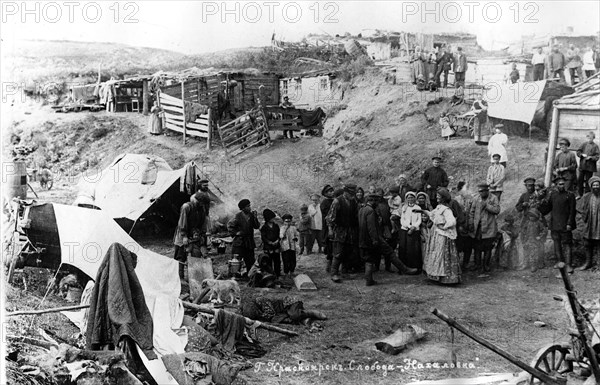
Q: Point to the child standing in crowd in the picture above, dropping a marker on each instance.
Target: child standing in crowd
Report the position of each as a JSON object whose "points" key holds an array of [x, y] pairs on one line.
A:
{"points": [[304, 228], [289, 237], [395, 203], [509, 248], [269, 234]]}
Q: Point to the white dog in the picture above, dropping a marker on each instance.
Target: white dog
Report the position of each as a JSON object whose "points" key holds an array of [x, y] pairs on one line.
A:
{"points": [[222, 289]]}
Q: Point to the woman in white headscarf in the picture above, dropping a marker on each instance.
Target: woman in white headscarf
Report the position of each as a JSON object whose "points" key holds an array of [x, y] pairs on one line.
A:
{"points": [[410, 236]]}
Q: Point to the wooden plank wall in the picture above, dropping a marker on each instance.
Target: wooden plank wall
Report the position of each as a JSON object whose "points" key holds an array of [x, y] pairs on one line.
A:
{"points": [[174, 117]]}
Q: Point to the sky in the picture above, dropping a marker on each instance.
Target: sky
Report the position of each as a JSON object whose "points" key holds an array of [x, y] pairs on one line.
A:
{"points": [[194, 27]]}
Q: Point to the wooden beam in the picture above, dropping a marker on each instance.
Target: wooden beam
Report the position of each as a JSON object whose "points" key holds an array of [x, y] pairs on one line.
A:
{"points": [[145, 98], [206, 310], [183, 107], [551, 146], [44, 311]]}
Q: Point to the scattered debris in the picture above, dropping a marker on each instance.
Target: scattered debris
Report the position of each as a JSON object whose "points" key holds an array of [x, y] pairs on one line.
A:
{"points": [[303, 282], [400, 340]]}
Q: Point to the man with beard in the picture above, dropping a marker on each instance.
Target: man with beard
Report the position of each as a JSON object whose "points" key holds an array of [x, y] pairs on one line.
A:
{"points": [[590, 213], [433, 178], [342, 220], [241, 228], [483, 225], [525, 200], [187, 236], [327, 194], [444, 63], [561, 205]]}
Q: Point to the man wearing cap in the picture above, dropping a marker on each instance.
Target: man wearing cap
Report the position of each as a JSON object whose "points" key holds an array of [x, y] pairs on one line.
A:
{"points": [[588, 154], [269, 234], [483, 225], [433, 178], [561, 205], [325, 206], [382, 208], [241, 228], [460, 68], [590, 214], [343, 224], [565, 164], [526, 200], [188, 233], [495, 176]]}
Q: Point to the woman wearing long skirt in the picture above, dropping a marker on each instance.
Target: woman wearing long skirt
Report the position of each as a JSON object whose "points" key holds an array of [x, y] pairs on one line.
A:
{"points": [[155, 123], [410, 234], [442, 263]]}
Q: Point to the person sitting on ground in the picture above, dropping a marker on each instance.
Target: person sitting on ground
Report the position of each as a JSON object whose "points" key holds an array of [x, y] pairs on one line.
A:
{"points": [[261, 274], [431, 84], [421, 83]]}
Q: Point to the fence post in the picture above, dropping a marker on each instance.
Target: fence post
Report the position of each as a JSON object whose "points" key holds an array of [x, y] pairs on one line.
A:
{"points": [[209, 137], [183, 107]]}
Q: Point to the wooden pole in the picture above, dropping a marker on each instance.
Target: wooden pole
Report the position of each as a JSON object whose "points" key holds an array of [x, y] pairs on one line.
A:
{"points": [[183, 108], [551, 146], [145, 98], [209, 125], [203, 309], [44, 311], [579, 321], [547, 379]]}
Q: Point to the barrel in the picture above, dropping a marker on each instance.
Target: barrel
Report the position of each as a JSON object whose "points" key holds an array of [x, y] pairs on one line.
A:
{"points": [[353, 48], [15, 179]]}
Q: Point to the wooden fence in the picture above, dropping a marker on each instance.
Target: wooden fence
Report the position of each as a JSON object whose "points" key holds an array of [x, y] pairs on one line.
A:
{"points": [[245, 132], [174, 118]]}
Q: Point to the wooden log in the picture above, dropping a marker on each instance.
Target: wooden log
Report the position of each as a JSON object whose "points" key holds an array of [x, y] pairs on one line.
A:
{"points": [[145, 98], [544, 377], [32, 341], [552, 146], [273, 328], [44, 311], [399, 340]]}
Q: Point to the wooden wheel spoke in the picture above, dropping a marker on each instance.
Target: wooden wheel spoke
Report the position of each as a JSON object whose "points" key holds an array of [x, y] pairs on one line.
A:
{"points": [[547, 365], [560, 361], [554, 360]]}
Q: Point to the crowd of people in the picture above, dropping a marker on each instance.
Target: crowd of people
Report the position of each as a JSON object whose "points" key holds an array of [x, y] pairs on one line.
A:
{"points": [[580, 63], [427, 68], [416, 228]]}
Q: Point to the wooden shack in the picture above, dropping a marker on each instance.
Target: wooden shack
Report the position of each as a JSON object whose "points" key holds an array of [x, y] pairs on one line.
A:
{"points": [[573, 117], [310, 90], [243, 91]]}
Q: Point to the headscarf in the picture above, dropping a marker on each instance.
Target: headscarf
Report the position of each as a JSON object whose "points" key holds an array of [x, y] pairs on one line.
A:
{"points": [[427, 205], [445, 194], [592, 180]]}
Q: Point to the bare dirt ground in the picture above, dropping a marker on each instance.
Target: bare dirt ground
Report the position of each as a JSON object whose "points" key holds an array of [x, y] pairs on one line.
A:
{"points": [[383, 132]]}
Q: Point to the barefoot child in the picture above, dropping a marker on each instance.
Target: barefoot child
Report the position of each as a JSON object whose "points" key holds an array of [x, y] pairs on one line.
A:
{"points": [[289, 239]]}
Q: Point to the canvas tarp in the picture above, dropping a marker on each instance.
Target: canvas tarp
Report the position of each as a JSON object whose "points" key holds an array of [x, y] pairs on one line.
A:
{"points": [[518, 101], [131, 185], [85, 235]]}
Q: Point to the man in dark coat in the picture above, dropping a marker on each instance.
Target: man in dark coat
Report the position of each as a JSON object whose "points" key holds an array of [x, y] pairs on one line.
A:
{"points": [[460, 68], [382, 208], [561, 205], [369, 237], [241, 228], [342, 220], [525, 199], [590, 214], [433, 178], [372, 244], [444, 64], [325, 206], [188, 233], [269, 234]]}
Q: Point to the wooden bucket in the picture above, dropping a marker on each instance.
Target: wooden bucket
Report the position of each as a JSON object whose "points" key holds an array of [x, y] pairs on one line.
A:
{"points": [[15, 179]]}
